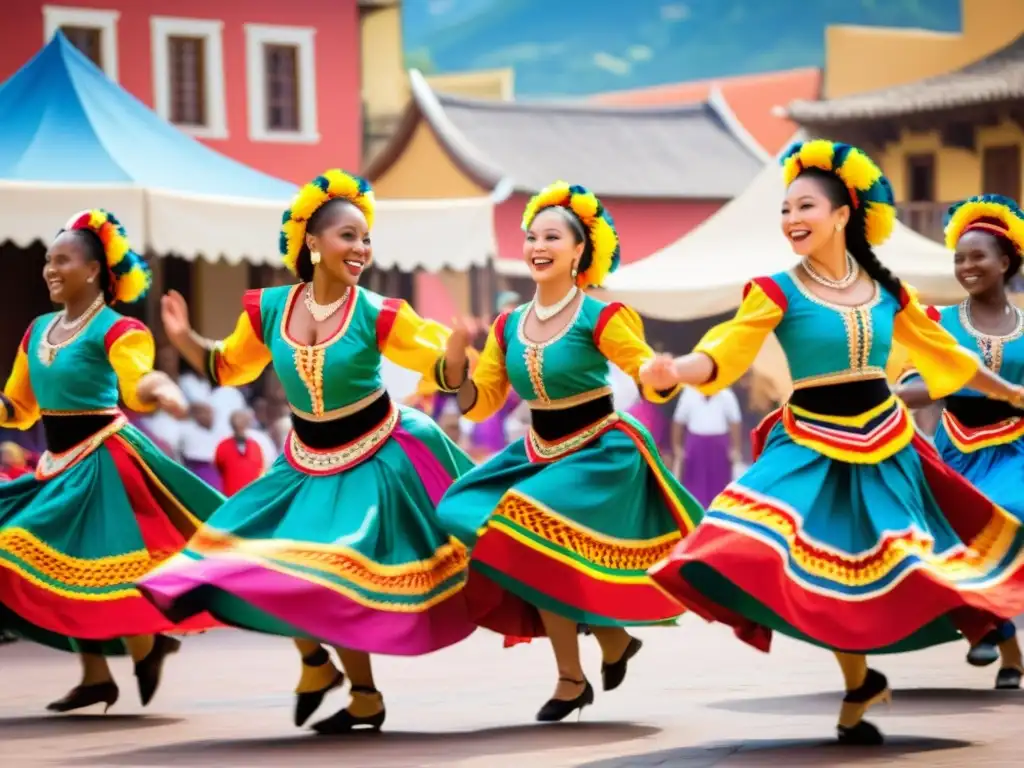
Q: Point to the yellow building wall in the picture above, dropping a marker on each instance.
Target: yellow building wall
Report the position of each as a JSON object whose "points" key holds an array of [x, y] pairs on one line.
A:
{"points": [[424, 171], [385, 84], [958, 171], [861, 59], [492, 84]]}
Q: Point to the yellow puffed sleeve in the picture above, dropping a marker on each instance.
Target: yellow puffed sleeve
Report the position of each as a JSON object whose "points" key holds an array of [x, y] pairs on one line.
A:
{"points": [[18, 406], [131, 352], [734, 344], [413, 342], [489, 375], [241, 357], [945, 366], [619, 335]]}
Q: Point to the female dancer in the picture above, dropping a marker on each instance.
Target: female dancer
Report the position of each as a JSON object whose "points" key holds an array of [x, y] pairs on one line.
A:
{"points": [[564, 522], [982, 438], [336, 544], [847, 531], [104, 505]]}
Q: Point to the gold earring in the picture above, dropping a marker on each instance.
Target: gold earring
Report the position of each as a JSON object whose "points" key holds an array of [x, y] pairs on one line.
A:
{"points": [[839, 227], [91, 280], [314, 257], [575, 271]]}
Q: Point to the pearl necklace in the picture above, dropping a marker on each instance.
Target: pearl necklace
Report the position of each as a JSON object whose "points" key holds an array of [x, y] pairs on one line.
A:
{"points": [[321, 312], [74, 325], [546, 313], [852, 273]]}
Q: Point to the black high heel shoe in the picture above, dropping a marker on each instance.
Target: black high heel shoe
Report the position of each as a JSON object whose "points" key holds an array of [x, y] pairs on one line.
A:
{"points": [[613, 674], [862, 733], [149, 670], [556, 710], [308, 702], [1008, 679], [82, 696], [344, 721]]}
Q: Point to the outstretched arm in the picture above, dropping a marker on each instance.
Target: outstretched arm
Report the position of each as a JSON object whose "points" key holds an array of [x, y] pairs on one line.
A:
{"points": [[18, 406], [422, 345], [619, 335], [483, 393], [131, 352]]}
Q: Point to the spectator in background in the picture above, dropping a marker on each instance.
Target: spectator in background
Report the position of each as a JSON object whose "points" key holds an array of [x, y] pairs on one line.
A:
{"points": [[488, 437], [706, 441], [14, 460], [239, 458], [199, 444]]}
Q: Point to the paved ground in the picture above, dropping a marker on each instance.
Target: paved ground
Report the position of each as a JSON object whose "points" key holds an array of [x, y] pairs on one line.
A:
{"points": [[694, 698]]}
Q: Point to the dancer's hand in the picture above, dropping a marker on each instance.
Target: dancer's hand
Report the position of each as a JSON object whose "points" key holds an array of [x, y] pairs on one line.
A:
{"points": [[172, 400], [174, 314], [456, 350], [658, 373]]}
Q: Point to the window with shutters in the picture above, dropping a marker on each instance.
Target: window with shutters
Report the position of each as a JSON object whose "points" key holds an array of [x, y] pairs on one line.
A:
{"points": [[90, 30], [281, 83], [188, 74]]}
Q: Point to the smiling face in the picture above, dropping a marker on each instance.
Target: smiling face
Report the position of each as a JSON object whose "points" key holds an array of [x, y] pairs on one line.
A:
{"points": [[342, 239], [69, 266], [550, 248], [979, 263], [810, 217]]}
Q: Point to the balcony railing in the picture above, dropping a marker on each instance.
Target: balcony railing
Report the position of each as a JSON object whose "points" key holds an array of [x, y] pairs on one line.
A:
{"points": [[924, 218]]}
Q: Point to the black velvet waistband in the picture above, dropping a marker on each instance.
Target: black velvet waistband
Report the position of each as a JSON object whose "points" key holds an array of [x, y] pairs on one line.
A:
{"points": [[980, 411], [65, 432], [850, 398], [325, 435], [554, 425]]}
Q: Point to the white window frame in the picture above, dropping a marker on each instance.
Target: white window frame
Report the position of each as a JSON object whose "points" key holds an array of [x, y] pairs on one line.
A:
{"points": [[303, 38], [211, 31], [57, 16]]}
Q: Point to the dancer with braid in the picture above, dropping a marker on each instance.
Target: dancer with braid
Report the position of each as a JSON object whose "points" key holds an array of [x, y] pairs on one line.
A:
{"points": [[337, 544], [563, 524], [977, 436], [847, 531], [104, 505]]}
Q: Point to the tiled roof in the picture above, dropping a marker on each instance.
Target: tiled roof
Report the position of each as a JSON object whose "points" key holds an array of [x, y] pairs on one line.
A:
{"points": [[754, 99], [693, 151], [998, 77]]}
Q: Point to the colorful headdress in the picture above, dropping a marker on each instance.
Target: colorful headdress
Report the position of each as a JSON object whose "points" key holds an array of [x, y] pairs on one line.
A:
{"points": [[604, 240], [327, 186], [130, 276], [869, 190], [991, 213]]}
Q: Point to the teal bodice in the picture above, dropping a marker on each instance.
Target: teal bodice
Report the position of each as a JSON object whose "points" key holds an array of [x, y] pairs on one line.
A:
{"points": [[1001, 354], [340, 371], [76, 375], [828, 342], [567, 366]]}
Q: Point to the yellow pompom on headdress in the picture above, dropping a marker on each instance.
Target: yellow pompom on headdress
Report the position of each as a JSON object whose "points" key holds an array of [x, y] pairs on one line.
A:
{"points": [[992, 213], [869, 190], [597, 223], [327, 186], [130, 276]]}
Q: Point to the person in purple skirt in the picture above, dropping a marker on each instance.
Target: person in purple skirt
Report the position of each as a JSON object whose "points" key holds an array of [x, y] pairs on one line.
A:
{"points": [[706, 441], [489, 436]]}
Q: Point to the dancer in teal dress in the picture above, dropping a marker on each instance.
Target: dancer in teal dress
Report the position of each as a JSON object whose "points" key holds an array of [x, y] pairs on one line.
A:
{"points": [[104, 505], [847, 531], [982, 438], [337, 544], [563, 523]]}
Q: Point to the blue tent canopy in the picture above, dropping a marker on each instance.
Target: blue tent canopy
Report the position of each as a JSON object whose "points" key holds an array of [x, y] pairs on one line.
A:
{"points": [[62, 120]]}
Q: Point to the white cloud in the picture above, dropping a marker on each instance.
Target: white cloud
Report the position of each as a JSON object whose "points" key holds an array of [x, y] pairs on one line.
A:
{"points": [[612, 64], [640, 52], [519, 53], [673, 12], [440, 7]]}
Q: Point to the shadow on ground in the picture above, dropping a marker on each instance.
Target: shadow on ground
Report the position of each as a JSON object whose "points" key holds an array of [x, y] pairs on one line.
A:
{"points": [[389, 749], [788, 752], [63, 725], [913, 702]]}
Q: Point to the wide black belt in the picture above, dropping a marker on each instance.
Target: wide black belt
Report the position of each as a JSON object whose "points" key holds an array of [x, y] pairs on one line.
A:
{"points": [[325, 435], [552, 425], [850, 398], [65, 432], [980, 411]]}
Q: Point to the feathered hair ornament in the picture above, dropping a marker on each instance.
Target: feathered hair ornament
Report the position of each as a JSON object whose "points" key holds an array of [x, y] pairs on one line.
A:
{"points": [[130, 276], [597, 223], [327, 186], [869, 190], [992, 213]]}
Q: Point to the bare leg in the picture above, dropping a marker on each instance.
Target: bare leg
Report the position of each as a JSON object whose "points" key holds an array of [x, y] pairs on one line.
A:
{"points": [[95, 669], [139, 646], [562, 633], [613, 642], [366, 699], [314, 677]]}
